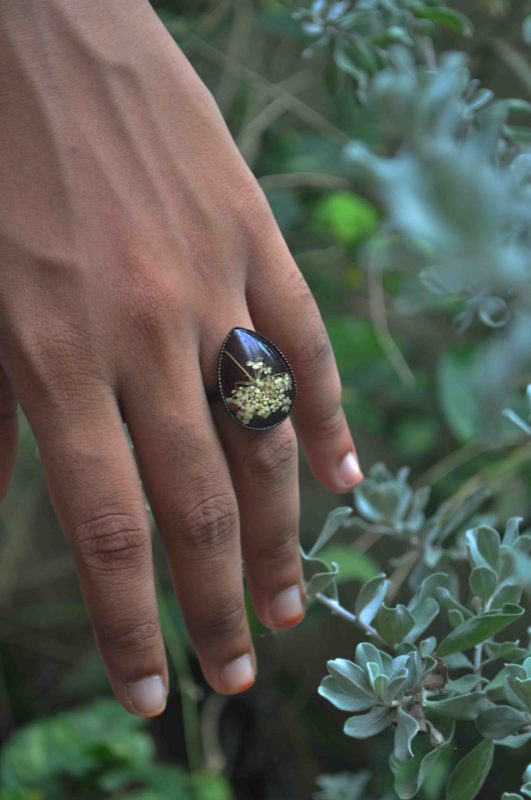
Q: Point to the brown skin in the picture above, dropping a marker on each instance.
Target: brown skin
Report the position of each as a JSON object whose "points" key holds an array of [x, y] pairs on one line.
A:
{"points": [[132, 238]]}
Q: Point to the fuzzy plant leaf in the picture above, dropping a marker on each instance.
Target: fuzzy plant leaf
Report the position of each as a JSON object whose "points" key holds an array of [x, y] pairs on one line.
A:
{"points": [[428, 750], [343, 786], [478, 629], [363, 726], [370, 598], [471, 772], [498, 722]]}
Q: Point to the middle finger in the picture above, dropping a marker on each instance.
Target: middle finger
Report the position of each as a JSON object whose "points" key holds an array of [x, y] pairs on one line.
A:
{"points": [[187, 481]]}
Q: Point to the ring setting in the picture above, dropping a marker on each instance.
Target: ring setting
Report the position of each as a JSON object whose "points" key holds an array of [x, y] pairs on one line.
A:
{"points": [[255, 380]]}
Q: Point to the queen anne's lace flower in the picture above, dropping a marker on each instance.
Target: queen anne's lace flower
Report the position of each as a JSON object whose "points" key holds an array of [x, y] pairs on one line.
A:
{"points": [[263, 395]]}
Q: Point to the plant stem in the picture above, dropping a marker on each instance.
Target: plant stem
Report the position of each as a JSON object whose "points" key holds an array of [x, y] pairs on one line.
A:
{"points": [[187, 688], [337, 609], [477, 658]]}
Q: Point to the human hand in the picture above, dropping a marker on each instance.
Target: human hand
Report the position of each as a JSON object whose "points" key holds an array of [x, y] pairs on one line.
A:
{"points": [[133, 237]]}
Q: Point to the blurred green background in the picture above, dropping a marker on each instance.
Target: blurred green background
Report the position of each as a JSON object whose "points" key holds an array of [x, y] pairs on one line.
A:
{"points": [[270, 743]]}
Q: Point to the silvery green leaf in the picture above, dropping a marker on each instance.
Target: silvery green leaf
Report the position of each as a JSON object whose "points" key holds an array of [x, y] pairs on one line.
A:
{"points": [[410, 775], [349, 675], [470, 773], [450, 603], [508, 592], [343, 786], [351, 699], [407, 728], [512, 531], [370, 598], [455, 617], [483, 581], [463, 706], [363, 726], [458, 661], [518, 691], [423, 614], [465, 684], [319, 576], [498, 722], [514, 742], [394, 624], [395, 687], [427, 646], [447, 17], [333, 523], [427, 588], [367, 653], [526, 29], [484, 546], [506, 651], [479, 629]]}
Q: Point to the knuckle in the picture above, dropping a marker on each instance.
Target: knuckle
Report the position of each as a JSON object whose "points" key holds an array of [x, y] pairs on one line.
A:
{"points": [[274, 457], [208, 525], [49, 357], [328, 421], [132, 635], [152, 304], [112, 541], [313, 350], [220, 622], [280, 547]]}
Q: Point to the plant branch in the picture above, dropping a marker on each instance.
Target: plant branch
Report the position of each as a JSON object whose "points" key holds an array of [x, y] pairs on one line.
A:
{"points": [[337, 609], [187, 688]]}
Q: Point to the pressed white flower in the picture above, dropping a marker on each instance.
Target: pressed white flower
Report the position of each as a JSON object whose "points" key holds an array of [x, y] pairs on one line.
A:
{"points": [[265, 394]]}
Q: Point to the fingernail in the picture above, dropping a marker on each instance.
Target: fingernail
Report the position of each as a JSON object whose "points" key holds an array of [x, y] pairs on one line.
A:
{"points": [[148, 696], [287, 608], [349, 472], [238, 675]]}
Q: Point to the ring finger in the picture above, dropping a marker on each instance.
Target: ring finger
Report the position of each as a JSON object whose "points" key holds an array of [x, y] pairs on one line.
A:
{"points": [[264, 468]]}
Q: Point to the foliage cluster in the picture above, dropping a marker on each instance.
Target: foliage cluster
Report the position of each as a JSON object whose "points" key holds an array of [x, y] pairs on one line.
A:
{"points": [[451, 176]]}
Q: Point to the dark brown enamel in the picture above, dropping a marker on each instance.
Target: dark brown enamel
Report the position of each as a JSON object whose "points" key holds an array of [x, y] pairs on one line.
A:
{"points": [[241, 346]]}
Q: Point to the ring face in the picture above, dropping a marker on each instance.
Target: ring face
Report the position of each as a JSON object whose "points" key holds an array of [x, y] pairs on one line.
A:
{"points": [[256, 383]]}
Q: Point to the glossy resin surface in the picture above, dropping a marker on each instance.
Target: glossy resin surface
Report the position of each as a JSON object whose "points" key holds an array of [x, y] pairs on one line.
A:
{"points": [[255, 380]]}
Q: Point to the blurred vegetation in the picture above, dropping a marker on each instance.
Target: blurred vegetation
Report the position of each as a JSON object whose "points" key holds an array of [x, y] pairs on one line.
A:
{"points": [[425, 377]]}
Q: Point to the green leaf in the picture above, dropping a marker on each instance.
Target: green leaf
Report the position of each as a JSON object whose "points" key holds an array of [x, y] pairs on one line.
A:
{"points": [[345, 699], [470, 773], [526, 30], [349, 217], [484, 546], [479, 629], [464, 706], [318, 575], [370, 598], [483, 582], [500, 721], [342, 786], [365, 725], [406, 729], [464, 684], [410, 775], [515, 742], [352, 565], [393, 624], [458, 396], [333, 523], [448, 18]]}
